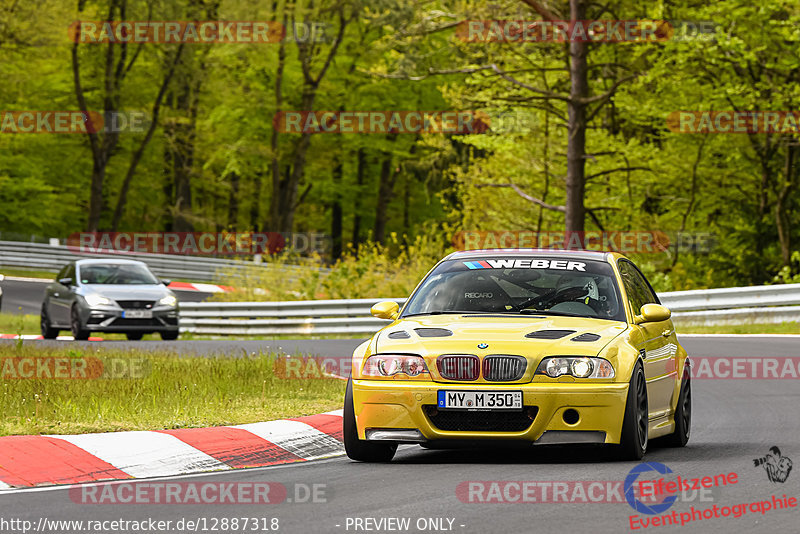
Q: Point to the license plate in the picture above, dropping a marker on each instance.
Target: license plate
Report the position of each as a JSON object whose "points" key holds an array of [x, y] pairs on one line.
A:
{"points": [[480, 400], [137, 314]]}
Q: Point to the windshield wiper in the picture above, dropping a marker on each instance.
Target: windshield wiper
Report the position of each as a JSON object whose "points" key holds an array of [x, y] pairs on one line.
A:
{"points": [[547, 312], [438, 312]]}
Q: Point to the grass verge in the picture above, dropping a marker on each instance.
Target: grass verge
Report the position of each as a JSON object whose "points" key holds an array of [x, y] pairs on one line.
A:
{"points": [[778, 328], [151, 391]]}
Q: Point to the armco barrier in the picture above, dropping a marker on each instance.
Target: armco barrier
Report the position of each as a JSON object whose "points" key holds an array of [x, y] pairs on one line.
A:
{"points": [[51, 258], [736, 305]]}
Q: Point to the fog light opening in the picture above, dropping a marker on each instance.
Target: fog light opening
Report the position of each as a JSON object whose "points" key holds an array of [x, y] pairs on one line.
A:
{"points": [[571, 416], [532, 411]]}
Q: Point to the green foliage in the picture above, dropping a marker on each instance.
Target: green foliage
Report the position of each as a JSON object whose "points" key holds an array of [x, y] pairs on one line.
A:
{"points": [[405, 55]]}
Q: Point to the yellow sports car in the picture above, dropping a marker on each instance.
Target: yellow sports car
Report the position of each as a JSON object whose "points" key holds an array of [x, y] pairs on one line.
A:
{"points": [[539, 346]]}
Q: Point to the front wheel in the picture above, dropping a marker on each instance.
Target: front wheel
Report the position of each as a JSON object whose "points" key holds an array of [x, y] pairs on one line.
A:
{"points": [[683, 416], [633, 442], [357, 449], [48, 332], [75, 326]]}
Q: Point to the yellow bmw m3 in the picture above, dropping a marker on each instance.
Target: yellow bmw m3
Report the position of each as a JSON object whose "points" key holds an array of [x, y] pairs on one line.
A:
{"points": [[539, 346]]}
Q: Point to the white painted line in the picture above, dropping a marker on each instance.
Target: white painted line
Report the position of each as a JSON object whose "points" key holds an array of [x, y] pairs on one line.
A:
{"points": [[145, 454], [339, 413], [741, 335], [298, 438], [3, 485]]}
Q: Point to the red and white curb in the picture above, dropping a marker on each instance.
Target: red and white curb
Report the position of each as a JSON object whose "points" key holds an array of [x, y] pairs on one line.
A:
{"points": [[28, 461], [196, 286]]}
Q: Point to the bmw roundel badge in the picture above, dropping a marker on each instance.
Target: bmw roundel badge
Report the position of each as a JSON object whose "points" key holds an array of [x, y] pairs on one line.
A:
{"points": [[483, 345]]}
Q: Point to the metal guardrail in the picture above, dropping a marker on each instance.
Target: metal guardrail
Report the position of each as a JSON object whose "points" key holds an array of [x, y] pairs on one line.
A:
{"points": [[50, 258], [736, 305], [302, 317]]}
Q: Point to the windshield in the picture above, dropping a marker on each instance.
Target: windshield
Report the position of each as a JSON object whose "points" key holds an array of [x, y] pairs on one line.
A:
{"points": [[515, 285], [116, 273]]}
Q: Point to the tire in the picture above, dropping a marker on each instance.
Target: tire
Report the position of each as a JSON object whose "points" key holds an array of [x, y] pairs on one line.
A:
{"points": [[48, 332], [360, 450], [634, 439], [683, 416], [75, 326], [169, 335], [134, 336]]}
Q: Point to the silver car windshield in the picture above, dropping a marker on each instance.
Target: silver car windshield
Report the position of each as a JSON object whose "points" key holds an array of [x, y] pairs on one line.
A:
{"points": [[116, 273], [546, 286]]}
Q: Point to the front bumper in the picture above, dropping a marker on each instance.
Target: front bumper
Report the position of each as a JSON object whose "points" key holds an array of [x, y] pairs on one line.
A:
{"points": [[383, 404], [111, 319]]}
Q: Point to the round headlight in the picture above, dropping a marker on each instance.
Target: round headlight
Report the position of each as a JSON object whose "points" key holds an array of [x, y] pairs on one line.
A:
{"points": [[556, 367], [582, 368]]}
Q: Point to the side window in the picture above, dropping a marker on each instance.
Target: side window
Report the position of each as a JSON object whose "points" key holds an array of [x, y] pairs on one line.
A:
{"points": [[71, 273], [636, 287]]}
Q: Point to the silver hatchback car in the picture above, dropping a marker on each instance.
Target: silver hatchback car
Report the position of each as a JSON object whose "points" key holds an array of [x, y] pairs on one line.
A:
{"points": [[104, 295]]}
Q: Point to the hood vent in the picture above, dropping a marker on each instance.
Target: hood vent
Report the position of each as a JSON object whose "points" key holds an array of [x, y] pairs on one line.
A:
{"points": [[399, 334], [433, 332], [588, 337], [549, 334]]}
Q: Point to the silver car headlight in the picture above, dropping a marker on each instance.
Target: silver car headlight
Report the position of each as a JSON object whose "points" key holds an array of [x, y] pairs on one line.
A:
{"points": [[169, 300], [577, 366], [94, 300]]}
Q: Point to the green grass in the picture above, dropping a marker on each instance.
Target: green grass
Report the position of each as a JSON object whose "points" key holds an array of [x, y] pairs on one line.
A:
{"points": [[27, 273], [781, 328], [172, 391]]}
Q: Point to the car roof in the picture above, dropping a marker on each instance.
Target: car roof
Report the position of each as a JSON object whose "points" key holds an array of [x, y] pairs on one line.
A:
{"points": [[492, 252], [108, 261]]}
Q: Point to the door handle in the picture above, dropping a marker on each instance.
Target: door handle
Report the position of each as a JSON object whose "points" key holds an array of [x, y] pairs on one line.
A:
{"points": [[666, 333]]}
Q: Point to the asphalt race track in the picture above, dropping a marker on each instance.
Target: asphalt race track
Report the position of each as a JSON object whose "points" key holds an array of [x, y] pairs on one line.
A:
{"points": [[28, 296], [735, 422]]}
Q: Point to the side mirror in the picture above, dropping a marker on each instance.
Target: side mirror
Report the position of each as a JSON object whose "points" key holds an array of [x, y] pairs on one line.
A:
{"points": [[652, 313], [166, 282], [386, 309], [65, 281]]}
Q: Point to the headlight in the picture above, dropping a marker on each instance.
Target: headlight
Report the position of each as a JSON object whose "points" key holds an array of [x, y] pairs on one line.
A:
{"points": [[169, 300], [577, 366], [393, 364], [97, 300]]}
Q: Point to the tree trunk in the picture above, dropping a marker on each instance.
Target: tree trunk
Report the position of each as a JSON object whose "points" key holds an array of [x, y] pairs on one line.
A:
{"points": [[782, 219], [336, 213], [361, 165], [385, 191], [576, 144], [233, 202]]}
